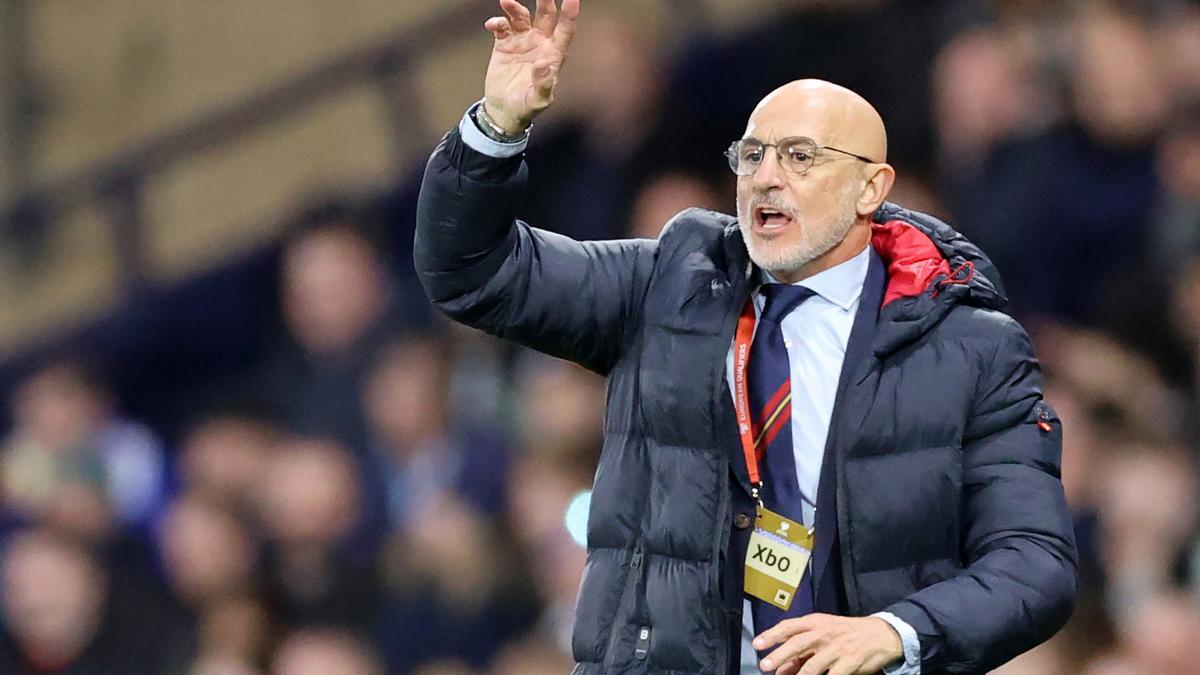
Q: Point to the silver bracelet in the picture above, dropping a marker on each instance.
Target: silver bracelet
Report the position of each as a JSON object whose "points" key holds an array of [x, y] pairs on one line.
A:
{"points": [[493, 131]]}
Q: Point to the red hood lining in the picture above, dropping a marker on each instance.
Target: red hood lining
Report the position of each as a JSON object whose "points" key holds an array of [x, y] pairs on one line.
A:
{"points": [[913, 261]]}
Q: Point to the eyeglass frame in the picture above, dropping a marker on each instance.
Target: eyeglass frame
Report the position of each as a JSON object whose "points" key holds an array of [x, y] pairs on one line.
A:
{"points": [[732, 156]]}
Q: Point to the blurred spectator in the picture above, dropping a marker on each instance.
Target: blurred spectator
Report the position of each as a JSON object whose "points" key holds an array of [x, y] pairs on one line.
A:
{"points": [[339, 307], [234, 630], [70, 455], [310, 509], [54, 595], [1145, 538], [422, 451], [207, 553], [480, 390], [986, 91], [321, 652], [667, 194], [1118, 86], [561, 412], [59, 615], [1176, 235], [455, 589], [1160, 637], [541, 490], [225, 458], [208, 559], [1063, 210], [1110, 377]]}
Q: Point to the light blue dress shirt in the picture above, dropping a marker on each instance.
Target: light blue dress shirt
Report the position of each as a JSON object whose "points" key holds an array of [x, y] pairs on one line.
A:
{"points": [[815, 335]]}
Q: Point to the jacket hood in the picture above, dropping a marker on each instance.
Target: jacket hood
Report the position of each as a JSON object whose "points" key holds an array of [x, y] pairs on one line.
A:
{"points": [[931, 268]]}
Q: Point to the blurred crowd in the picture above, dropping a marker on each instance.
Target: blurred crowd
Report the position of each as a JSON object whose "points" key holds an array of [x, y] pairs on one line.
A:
{"points": [[379, 491]]}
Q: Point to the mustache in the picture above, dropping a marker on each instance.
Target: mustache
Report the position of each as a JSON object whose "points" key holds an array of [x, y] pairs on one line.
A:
{"points": [[772, 202]]}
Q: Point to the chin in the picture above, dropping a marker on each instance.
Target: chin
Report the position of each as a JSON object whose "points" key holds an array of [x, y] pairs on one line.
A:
{"points": [[777, 262], [773, 256]]}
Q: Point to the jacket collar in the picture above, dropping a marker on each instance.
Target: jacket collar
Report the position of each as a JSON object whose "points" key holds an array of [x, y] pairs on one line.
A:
{"points": [[930, 268]]}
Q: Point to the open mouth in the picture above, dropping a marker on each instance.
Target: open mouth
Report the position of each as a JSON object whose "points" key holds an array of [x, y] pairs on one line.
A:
{"points": [[769, 219]]}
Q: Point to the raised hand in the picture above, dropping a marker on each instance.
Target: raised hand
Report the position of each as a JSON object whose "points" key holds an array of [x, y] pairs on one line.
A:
{"points": [[526, 59]]}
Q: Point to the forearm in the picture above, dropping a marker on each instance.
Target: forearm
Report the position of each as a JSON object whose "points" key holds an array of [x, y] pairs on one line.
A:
{"points": [[482, 267], [465, 217], [1001, 606]]}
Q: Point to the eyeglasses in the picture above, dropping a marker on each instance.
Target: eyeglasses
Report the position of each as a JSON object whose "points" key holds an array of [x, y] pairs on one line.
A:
{"points": [[796, 154]]}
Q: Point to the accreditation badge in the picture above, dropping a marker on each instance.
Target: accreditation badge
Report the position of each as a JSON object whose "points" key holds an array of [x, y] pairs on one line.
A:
{"points": [[779, 552]]}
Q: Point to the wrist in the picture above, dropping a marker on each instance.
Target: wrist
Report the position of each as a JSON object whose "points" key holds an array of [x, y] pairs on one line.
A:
{"points": [[894, 641], [505, 126]]}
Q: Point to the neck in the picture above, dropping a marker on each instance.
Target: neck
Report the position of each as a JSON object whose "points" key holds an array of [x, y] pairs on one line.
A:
{"points": [[853, 244]]}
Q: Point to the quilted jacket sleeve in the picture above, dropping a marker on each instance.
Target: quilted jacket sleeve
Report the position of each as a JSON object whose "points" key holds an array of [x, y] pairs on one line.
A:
{"points": [[1019, 584], [482, 267]]}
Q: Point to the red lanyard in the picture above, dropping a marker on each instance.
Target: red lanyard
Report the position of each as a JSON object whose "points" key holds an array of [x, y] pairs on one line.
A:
{"points": [[741, 395]]}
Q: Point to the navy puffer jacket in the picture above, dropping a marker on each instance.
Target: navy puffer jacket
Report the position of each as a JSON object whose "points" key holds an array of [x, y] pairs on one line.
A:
{"points": [[950, 509]]}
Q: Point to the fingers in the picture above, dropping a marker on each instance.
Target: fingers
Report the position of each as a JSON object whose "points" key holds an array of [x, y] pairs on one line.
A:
{"points": [[798, 646], [820, 662], [791, 667], [499, 26], [845, 667], [518, 15], [546, 17], [784, 630], [568, 15]]}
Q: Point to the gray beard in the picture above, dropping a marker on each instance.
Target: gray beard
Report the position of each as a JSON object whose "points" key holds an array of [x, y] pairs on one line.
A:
{"points": [[815, 243]]}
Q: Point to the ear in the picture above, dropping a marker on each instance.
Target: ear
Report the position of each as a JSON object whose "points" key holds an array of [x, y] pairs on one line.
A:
{"points": [[879, 184]]}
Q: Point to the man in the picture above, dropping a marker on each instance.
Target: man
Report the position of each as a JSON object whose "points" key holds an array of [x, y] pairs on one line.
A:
{"points": [[897, 416]]}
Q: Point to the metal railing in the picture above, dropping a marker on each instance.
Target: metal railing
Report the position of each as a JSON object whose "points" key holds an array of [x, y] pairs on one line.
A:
{"points": [[116, 184]]}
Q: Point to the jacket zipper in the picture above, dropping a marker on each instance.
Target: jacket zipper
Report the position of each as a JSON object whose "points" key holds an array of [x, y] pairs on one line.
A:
{"points": [[631, 578], [718, 592]]}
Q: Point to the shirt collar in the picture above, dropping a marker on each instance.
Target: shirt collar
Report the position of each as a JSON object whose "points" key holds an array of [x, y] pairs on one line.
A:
{"points": [[841, 284]]}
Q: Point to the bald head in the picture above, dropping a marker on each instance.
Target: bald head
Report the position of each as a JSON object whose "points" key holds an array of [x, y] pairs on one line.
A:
{"points": [[825, 112]]}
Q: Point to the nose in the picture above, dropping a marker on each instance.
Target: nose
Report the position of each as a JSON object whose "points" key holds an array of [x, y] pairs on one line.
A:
{"points": [[768, 174]]}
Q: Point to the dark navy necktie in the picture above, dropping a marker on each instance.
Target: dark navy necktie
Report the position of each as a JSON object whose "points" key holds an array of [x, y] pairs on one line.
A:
{"points": [[769, 380]]}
